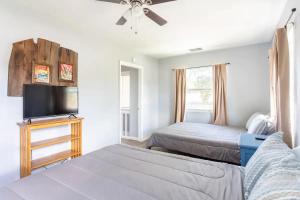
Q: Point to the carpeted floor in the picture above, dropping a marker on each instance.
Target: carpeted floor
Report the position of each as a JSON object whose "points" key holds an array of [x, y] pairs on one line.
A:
{"points": [[134, 143]]}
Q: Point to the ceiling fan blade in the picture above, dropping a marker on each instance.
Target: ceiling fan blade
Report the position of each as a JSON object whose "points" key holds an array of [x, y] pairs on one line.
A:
{"points": [[153, 2], [154, 17], [121, 21], [113, 1], [124, 18]]}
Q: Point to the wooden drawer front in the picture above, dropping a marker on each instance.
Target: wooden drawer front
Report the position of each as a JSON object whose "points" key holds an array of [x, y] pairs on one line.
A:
{"points": [[246, 154]]}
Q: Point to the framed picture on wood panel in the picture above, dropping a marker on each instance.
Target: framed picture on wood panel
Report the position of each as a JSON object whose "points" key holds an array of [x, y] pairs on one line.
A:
{"points": [[41, 73], [65, 72]]}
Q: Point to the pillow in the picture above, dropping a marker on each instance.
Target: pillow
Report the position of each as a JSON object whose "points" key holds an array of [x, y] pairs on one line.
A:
{"points": [[251, 119], [296, 151], [279, 182], [270, 152], [259, 125], [270, 126]]}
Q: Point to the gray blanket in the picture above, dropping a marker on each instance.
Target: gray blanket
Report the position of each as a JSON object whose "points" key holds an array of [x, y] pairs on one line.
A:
{"points": [[121, 172], [204, 140]]}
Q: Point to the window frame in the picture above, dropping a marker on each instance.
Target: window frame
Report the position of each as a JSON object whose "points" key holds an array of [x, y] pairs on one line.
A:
{"points": [[199, 110]]}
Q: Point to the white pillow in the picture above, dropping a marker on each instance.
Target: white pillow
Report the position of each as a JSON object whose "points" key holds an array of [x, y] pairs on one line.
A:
{"points": [[251, 119], [259, 125], [296, 151], [270, 126]]}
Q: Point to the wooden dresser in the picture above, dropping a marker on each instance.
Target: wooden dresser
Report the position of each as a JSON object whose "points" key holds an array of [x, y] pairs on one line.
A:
{"points": [[27, 146]]}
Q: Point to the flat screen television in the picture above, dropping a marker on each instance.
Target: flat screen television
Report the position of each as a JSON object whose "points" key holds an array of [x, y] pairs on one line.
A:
{"points": [[44, 101]]}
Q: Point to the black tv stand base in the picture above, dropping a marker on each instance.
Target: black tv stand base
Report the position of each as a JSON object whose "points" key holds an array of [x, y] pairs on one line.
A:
{"points": [[72, 116]]}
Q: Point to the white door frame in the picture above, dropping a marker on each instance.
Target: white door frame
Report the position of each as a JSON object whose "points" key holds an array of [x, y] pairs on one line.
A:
{"points": [[140, 97]]}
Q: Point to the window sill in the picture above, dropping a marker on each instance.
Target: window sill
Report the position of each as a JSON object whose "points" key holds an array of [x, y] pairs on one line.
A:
{"points": [[198, 111]]}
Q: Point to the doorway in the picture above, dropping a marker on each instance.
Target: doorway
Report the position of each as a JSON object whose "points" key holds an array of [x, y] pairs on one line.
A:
{"points": [[130, 105]]}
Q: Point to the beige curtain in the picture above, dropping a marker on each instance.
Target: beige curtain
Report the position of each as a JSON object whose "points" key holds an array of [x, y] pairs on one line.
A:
{"points": [[220, 94], [280, 84], [180, 95]]}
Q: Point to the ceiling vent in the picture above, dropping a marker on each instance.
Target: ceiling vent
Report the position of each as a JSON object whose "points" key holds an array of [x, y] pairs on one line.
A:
{"points": [[196, 49]]}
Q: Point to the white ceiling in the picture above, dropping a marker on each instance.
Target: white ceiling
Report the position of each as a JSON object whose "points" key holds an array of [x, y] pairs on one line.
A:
{"points": [[210, 24]]}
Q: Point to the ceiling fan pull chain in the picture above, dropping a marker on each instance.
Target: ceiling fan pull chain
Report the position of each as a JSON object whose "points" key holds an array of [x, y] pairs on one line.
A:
{"points": [[131, 21], [136, 25]]}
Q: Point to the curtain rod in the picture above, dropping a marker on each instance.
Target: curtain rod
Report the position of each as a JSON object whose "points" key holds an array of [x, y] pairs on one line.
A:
{"points": [[202, 66], [290, 17]]}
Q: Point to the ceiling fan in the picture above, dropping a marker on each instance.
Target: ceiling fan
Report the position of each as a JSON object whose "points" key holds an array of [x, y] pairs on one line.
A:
{"points": [[139, 8]]}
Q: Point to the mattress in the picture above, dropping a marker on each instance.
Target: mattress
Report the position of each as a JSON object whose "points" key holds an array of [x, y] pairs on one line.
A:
{"points": [[204, 140], [123, 172]]}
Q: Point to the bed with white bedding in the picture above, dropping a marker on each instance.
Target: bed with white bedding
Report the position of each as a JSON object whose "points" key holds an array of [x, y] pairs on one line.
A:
{"points": [[128, 173], [204, 140]]}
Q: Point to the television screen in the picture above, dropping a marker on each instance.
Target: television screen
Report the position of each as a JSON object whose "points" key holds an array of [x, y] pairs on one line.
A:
{"points": [[44, 101]]}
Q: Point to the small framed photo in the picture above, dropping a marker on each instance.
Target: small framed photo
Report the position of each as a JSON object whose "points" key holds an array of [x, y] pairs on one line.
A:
{"points": [[41, 73], [65, 72]]}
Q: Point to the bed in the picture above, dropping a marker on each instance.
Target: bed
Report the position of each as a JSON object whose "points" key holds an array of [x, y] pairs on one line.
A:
{"points": [[129, 173], [209, 141]]}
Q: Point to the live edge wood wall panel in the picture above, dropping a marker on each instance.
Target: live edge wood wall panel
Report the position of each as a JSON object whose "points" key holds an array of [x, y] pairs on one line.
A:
{"points": [[25, 53], [19, 72], [47, 53]]}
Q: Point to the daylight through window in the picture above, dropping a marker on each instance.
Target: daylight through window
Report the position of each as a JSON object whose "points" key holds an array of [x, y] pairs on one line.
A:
{"points": [[199, 89]]}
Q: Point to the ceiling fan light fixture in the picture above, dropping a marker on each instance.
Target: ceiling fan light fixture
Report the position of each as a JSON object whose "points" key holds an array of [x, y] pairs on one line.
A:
{"points": [[137, 10]]}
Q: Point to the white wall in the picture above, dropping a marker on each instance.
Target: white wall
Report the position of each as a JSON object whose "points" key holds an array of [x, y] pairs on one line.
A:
{"points": [[98, 86], [248, 82], [287, 11]]}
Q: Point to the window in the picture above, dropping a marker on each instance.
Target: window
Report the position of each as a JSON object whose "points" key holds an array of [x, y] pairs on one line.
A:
{"points": [[199, 89]]}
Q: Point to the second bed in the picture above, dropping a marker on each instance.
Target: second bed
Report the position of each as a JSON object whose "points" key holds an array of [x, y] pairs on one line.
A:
{"points": [[210, 141]]}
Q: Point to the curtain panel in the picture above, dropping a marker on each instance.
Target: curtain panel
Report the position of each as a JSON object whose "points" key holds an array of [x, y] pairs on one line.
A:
{"points": [[220, 94], [280, 84], [180, 95]]}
